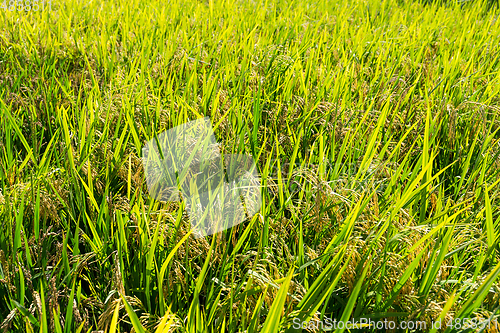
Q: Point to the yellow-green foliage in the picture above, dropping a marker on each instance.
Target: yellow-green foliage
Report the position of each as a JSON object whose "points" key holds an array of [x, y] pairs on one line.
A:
{"points": [[374, 124]]}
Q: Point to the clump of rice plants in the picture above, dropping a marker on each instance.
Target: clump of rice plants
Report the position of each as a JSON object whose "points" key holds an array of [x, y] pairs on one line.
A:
{"points": [[374, 126]]}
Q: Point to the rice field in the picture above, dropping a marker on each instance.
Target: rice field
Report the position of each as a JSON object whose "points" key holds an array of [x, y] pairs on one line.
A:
{"points": [[374, 127]]}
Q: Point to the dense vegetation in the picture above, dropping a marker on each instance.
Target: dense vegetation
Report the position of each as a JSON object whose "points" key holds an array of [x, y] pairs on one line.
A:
{"points": [[374, 125]]}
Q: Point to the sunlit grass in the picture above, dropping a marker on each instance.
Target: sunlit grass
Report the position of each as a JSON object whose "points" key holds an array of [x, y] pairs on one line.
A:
{"points": [[374, 126]]}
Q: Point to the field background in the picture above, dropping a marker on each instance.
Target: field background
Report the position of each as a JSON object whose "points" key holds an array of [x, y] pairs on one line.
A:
{"points": [[374, 124]]}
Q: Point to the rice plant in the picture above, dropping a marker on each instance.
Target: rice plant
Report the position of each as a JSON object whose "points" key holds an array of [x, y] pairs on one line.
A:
{"points": [[374, 128]]}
